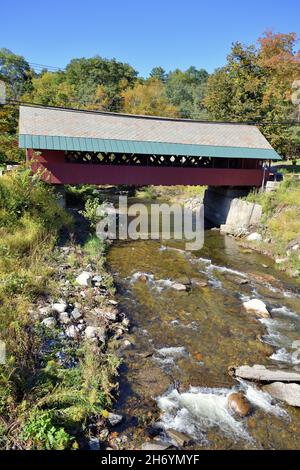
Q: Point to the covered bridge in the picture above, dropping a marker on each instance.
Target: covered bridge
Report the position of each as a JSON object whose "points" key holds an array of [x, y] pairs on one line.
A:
{"points": [[87, 147]]}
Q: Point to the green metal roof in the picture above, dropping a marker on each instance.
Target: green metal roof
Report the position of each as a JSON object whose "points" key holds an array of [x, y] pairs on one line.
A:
{"points": [[86, 144]]}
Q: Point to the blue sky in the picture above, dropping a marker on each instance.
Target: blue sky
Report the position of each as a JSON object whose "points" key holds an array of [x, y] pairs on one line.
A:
{"points": [[170, 33]]}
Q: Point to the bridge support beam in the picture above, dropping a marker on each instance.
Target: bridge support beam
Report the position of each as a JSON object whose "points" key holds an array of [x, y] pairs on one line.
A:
{"points": [[217, 202]]}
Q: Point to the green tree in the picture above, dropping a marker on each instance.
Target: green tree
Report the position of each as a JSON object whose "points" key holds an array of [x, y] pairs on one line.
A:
{"points": [[51, 89], [186, 91], [256, 85], [159, 73], [15, 70], [86, 75]]}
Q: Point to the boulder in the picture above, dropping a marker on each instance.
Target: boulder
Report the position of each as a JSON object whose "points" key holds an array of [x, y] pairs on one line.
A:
{"points": [[179, 287], [263, 374], [114, 419], [72, 331], [59, 307], [254, 237], [287, 392], [156, 446], [49, 322], [98, 332], [76, 314], [199, 283], [258, 307], [64, 318], [238, 403], [45, 311], [84, 279]]}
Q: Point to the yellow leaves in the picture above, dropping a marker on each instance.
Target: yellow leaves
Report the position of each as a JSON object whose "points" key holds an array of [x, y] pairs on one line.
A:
{"points": [[105, 414], [148, 98]]}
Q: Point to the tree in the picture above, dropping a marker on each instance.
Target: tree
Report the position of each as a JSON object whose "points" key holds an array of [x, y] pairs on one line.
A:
{"points": [[86, 75], [159, 73], [186, 91], [16, 72], [256, 85], [148, 97], [51, 89]]}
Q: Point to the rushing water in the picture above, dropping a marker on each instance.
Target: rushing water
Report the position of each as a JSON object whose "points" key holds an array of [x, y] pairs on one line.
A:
{"points": [[184, 342]]}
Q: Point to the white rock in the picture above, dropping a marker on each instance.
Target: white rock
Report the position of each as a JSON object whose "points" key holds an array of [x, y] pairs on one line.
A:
{"points": [[254, 237], [256, 306], [114, 419], [127, 344], [59, 307], [84, 279], [76, 314], [49, 322], [289, 393], [64, 318], [261, 373], [281, 260], [178, 286], [72, 331], [45, 311], [92, 332]]}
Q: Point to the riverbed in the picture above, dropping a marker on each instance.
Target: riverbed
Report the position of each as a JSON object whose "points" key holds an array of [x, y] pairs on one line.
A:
{"points": [[175, 374]]}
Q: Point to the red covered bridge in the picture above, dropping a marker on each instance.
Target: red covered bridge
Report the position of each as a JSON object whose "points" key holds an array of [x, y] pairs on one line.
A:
{"points": [[88, 147]]}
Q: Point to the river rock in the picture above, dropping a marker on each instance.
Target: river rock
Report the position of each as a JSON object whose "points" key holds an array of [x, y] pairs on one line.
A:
{"points": [[158, 445], [109, 313], [94, 443], [72, 331], [263, 374], [238, 403], [76, 314], [179, 287], [254, 237], [287, 392], [281, 260], [199, 283], [84, 279], [114, 419], [179, 437], [49, 322], [97, 280], [45, 311], [59, 307], [258, 307], [92, 332], [64, 318]]}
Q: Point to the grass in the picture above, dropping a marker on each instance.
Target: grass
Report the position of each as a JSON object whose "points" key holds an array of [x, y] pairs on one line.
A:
{"points": [[172, 193], [281, 220], [43, 405]]}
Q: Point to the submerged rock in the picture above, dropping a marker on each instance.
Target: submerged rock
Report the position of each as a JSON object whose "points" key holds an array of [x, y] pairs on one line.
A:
{"points": [[84, 279], [157, 445], [238, 403], [289, 393], [258, 307], [179, 437]]}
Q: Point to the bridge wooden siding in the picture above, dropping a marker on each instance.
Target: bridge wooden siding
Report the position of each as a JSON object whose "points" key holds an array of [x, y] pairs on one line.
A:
{"points": [[82, 147]]}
